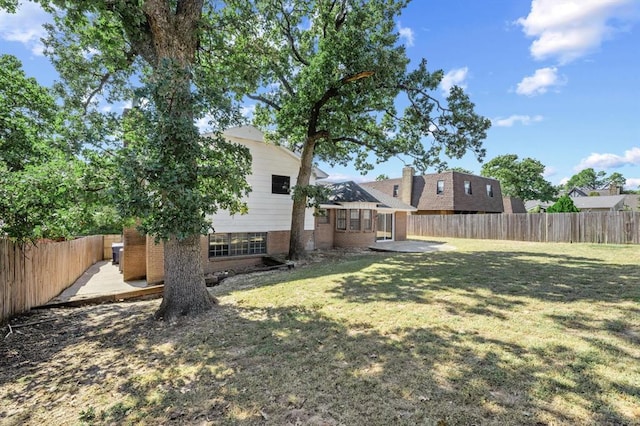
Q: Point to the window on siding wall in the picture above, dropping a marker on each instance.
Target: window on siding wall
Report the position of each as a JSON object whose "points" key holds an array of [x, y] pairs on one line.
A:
{"points": [[489, 190], [467, 187], [280, 184], [440, 187], [341, 220], [237, 244], [366, 220], [354, 220]]}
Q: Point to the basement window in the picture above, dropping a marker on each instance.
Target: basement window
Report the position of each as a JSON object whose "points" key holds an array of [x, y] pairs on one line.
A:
{"points": [[237, 244]]}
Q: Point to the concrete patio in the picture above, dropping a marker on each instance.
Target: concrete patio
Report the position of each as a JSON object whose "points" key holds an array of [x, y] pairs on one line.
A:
{"points": [[103, 282], [411, 246]]}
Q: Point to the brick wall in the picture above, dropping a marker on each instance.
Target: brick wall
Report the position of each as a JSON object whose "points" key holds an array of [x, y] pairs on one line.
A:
{"points": [[278, 242], [134, 262], [345, 239], [155, 261]]}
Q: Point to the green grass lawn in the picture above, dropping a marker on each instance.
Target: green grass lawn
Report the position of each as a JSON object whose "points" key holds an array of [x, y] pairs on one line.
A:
{"points": [[492, 333]]}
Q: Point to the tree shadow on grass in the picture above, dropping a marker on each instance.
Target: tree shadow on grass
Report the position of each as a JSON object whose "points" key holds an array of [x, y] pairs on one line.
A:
{"points": [[303, 365], [411, 277], [286, 365]]}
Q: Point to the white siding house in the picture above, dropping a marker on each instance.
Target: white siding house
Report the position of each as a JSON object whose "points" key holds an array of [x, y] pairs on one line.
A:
{"points": [[238, 241], [268, 211]]}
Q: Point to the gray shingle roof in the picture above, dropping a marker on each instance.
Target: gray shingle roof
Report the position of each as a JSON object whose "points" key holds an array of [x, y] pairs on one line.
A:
{"points": [[601, 202], [351, 192]]}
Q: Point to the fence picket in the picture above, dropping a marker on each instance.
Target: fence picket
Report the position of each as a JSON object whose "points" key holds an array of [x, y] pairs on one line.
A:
{"points": [[33, 274], [588, 227]]}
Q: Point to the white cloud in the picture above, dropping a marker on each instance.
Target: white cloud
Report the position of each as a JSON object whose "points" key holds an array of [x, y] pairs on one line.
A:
{"points": [[455, 77], [610, 161], [569, 29], [513, 119], [248, 111], [549, 171], [25, 26], [203, 124], [564, 180], [406, 33], [632, 183], [540, 81]]}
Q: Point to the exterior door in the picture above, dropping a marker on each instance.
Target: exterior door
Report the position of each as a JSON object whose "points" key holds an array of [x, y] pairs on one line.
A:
{"points": [[384, 230]]}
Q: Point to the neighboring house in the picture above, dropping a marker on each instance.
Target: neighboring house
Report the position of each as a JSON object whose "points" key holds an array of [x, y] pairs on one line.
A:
{"points": [[632, 202], [448, 192], [603, 203], [513, 205], [537, 205], [354, 216], [586, 192], [238, 241]]}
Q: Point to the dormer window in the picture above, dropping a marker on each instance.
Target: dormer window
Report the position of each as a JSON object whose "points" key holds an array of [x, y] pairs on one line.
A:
{"points": [[489, 190]]}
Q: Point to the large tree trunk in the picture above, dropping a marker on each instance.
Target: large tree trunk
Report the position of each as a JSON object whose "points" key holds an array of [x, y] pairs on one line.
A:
{"points": [[296, 240], [171, 50], [185, 291]]}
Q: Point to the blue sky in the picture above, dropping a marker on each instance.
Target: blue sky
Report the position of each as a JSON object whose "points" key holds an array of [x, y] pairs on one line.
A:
{"points": [[559, 79]]}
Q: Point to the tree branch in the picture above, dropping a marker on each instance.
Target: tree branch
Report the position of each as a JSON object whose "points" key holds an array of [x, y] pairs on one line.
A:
{"points": [[285, 83], [289, 36], [267, 101], [97, 90]]}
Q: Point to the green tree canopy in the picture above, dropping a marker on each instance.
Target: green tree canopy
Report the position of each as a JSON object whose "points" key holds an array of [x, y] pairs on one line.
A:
{"points": [[460, 169], [169, 177], [333, 82], [28, 120], [591, 180], [520, 178], [46, 190], [587, 179], [616, 179]]}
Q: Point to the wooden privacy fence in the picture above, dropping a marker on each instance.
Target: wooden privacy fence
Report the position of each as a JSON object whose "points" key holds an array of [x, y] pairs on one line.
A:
{"points": [[592, 227], [34, 274]]}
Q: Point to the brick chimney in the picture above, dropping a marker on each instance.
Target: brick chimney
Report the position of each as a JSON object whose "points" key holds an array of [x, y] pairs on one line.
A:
{"points": [[614, 189], [407, 184]]}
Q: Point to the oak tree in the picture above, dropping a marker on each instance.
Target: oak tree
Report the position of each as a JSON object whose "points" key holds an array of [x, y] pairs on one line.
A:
{"points": [[333, 82], [520, 178], [169, 176], [586, 179], [46, 189]]}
